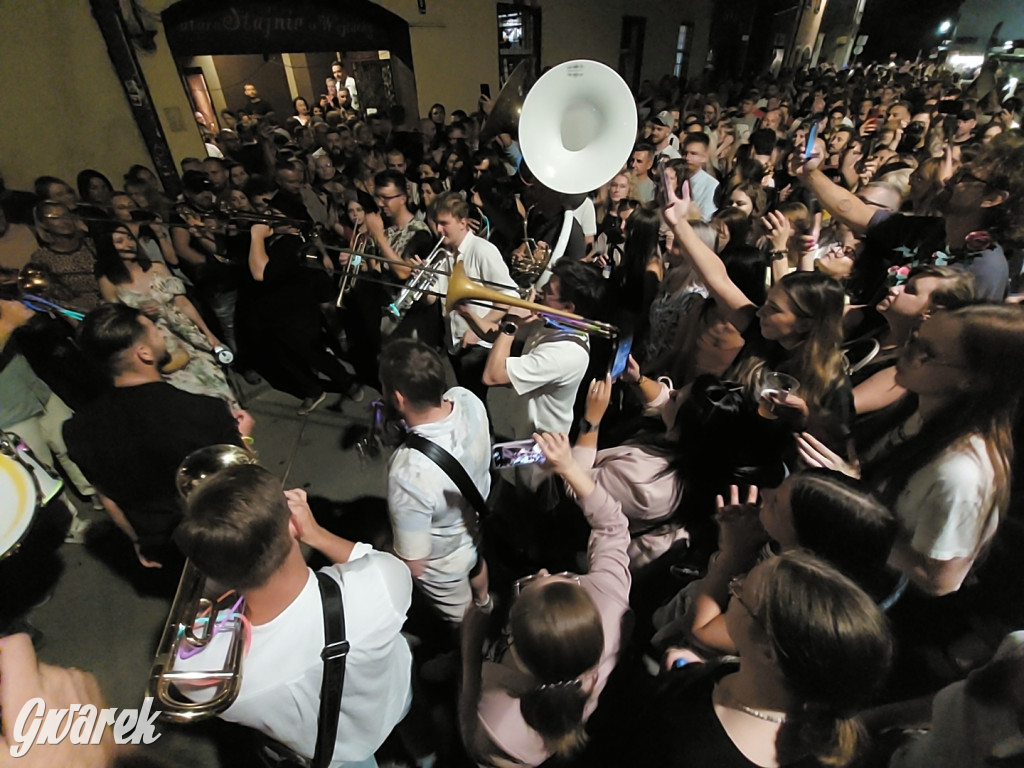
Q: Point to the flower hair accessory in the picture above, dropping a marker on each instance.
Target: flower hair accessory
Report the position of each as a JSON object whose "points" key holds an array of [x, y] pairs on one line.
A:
{"points": [[975, 243]]}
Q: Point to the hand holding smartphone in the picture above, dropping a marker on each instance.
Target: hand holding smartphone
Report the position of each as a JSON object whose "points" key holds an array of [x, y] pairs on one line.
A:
{"points": [[516, 453]]}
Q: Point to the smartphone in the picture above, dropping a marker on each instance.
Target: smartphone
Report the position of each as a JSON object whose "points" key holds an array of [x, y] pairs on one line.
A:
{"points": [[812, 134], [516, 453], [621, 357], [485, 90]]}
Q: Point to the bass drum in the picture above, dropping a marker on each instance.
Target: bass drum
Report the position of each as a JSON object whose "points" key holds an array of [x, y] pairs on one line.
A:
{"points": [[19, 500]]}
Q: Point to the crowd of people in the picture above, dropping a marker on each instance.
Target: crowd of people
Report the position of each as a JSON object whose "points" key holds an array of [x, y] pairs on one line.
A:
{"points": [[778, 506]]}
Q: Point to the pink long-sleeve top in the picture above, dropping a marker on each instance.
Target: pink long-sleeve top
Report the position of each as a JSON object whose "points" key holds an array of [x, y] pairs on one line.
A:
{"points": [[607, 581], [638, 480]]}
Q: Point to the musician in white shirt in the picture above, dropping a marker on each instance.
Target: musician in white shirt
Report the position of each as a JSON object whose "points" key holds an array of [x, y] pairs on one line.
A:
{"points": [[470, 328]]}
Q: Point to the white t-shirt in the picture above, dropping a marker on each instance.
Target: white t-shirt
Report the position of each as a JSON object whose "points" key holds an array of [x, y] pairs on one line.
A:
{"points": [[426, 507], [947, 505], [669, 153], [482, 261], [281, 675], [587, 217], [546, 376]]}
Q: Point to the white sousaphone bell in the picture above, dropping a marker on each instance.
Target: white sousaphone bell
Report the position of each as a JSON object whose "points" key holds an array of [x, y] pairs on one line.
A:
{"points": [[578, 126]]}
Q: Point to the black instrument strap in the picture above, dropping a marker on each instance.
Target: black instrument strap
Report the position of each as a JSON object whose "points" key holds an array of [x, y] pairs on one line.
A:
{"points": [[334, 654], [458, 475]]}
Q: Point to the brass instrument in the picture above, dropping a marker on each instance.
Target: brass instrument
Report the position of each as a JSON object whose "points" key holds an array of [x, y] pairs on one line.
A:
{"points": [[462, 289], [193, 619], [529, 259], [504, 116], [423, 280], [34, 282]]}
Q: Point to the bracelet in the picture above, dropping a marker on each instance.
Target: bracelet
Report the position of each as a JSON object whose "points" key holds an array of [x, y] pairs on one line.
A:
{"points": [[484, 604]]}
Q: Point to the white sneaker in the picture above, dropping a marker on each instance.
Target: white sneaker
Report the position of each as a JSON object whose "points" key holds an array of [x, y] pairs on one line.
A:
{"points": [[76, 533]]}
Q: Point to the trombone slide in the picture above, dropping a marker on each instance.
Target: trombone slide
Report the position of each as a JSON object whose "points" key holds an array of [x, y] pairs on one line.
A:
{"points": [[179, 635]]}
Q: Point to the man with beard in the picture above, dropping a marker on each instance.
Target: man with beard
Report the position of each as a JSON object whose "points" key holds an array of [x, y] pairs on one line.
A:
{"points": [[982, 202], [130, 441]]}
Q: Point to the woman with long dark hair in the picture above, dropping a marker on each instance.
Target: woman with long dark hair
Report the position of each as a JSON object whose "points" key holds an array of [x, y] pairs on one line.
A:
{"points": [[635, 280], [126, 275], [946, 469]]}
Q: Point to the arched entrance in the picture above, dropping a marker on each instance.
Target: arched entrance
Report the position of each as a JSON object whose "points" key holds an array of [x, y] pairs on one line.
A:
{"points": [[286, 50]]}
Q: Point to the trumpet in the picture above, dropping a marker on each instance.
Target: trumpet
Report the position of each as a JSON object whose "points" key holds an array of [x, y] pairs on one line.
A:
{"points": [[424, 280], [194, 619]]}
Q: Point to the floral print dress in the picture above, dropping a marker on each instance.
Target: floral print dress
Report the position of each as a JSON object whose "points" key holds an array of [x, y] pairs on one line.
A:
{"points": [[201, 375]]}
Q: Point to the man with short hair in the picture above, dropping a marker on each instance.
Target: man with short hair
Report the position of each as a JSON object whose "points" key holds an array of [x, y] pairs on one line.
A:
{"points": [[130, 441], [640, 164], [216, 171], [364, 302], [548, 371], [344, 80], [982, 202], [255, 107], [470, 328], [702, 184], [660, 127], [433, 522], [242, 531]]}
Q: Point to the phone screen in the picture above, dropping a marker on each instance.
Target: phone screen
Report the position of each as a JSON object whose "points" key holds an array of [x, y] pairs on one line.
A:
{"points": [[516, 453], [621, 357], [811, 136]]}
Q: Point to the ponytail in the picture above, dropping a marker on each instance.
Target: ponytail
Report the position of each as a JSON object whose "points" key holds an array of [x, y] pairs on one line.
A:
{"points": [[555, 711], [831, 738]]}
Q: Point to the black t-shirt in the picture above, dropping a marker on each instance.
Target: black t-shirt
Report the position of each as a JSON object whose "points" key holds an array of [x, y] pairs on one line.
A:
{"points": [[894, 239], [130, 441], [680, 727]]}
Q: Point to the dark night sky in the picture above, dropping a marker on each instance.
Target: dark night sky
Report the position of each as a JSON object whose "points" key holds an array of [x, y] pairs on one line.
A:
{"points": [[904, 26]]}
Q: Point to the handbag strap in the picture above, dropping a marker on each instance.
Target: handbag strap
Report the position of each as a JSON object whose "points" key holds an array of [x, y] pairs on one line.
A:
{"points": [[334, 654], [458, 475]]}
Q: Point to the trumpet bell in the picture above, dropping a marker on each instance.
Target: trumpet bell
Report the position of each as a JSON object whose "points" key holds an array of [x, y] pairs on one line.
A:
{"points": [[578, 126]]}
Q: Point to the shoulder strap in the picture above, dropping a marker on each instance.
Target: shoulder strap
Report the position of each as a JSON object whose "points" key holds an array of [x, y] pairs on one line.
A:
{"points": [[455, 471], [333, 682]]}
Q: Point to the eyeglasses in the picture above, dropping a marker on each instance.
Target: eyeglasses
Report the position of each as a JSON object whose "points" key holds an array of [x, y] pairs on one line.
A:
{"points": [[520, 584], [386, 198], [735, 592]]}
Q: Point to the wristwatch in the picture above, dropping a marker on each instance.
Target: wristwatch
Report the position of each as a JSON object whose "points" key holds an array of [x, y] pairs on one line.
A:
{"points": [[587, 427]]}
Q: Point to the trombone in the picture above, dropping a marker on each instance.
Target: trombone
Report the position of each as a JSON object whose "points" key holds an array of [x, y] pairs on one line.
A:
{"points": [[461, 289], [194, 619]]}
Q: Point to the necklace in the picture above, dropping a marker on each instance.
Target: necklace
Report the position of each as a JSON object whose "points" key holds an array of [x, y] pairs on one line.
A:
{"points": [[726, 699], [771, 717]]}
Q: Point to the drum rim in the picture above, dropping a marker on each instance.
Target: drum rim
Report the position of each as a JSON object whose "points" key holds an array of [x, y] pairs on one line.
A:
{"points": [[13, 535]]}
